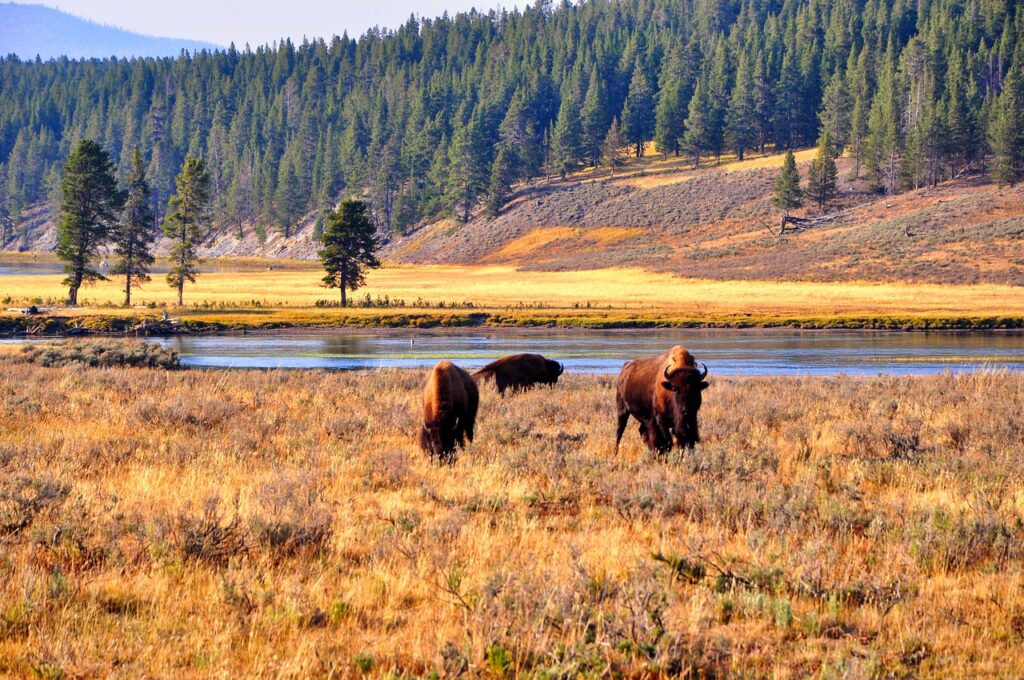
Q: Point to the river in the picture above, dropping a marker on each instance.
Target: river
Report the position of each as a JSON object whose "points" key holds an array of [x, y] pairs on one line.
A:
{"points": [[725, 351]]}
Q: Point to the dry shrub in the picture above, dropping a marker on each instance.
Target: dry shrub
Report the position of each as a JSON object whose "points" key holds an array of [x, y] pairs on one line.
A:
{"points": [[387, 470], [291, 516], [23, 497], [209, 537], [101, 354]]}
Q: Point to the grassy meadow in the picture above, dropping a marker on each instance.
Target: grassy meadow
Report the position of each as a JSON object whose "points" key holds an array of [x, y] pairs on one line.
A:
{"points": [[432, 294], [284, 524]]}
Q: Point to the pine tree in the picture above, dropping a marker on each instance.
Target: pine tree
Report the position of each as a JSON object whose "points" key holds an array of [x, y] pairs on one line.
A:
{"points": [[467, 175], [638, 111], [612, 147], [700, 124], [740, 132], [134, 235], [349, 247], [822, 176], [594, 118], [670, 113], [186, 223], [501, 181], [1008, 126], [835, 114], [566, 138], [786, 192], [884, 142], [91, 202]]}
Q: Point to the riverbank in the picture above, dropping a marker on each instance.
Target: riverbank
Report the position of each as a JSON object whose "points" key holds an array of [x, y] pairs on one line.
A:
{"points": [[114, 322], [243, 523], [498, 296]]}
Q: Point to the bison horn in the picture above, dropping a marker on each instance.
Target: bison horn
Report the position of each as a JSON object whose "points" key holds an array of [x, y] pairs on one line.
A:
{"points": [[703, 373], [561, 368]]}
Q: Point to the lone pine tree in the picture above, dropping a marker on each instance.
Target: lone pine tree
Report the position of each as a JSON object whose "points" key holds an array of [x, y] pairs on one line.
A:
{"points": [[133, 236], [787, 193], [89, 208], [349, 247], [185, 224]]}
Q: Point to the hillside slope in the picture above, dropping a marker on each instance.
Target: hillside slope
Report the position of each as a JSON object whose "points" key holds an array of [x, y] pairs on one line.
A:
{"points": [[30, 30], [718, 223]]}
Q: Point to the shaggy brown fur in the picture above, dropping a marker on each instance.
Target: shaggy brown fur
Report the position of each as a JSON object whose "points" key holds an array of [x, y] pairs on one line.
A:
{"points": [[664, 394], [450, 402], [520, 372]]}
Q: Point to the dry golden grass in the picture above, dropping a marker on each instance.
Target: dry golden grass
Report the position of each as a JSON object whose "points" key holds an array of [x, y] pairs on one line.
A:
{"points": [[665, 172], [633, 292], [283, 524]]}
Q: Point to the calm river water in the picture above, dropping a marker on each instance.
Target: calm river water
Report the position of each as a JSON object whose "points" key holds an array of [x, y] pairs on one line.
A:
{"points": [[747, 352]]}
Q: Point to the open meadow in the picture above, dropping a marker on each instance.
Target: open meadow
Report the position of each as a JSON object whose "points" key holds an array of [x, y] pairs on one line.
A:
{"points": [[408, 295], [284, 524]]}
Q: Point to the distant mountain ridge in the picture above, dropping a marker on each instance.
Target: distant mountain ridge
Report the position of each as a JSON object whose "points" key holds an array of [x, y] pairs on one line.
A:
{"points": [[30, 30]]}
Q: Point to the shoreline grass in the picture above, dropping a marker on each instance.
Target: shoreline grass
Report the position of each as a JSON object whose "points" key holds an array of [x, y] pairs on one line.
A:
{"points": [[190, 523]]}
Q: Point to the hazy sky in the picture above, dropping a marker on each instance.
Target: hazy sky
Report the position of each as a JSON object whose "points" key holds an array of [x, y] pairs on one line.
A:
{"points": [[261, 21]]}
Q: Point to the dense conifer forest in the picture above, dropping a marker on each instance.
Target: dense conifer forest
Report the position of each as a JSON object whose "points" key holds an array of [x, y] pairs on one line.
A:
{"points": [[440, 117]]}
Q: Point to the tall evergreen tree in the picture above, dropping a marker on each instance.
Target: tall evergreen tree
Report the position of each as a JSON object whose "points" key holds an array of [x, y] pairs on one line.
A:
{"points": [[611, 148], [701, 127], [822, 177], [186, 223], [835, 113], [884, 141], [133, 237], [566, 138], [1008, 126], [594, 117], [349, 247], [638, 111], [91, 202], [467, 174], [740, 130], [786, 194], [501, 181]]}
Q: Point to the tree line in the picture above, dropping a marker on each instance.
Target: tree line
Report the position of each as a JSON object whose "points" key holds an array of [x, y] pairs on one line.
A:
{"points": [[443, 116], [96, 212]]}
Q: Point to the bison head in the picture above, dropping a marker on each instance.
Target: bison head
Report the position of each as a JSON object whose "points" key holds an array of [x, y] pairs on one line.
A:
{"points": [[554, 369], [686, 384]]}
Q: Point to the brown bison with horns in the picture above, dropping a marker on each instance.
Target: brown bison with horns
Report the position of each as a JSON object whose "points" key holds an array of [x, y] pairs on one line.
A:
{"points": [[450, 402], [664, 394], [520, 372]]}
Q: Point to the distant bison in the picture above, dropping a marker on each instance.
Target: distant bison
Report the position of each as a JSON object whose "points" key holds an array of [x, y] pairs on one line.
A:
{"points": [[450, 402], [664, 394], [520, 372]]}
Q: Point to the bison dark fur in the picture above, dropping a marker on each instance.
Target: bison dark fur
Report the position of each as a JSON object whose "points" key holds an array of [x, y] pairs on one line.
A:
{"points": [[520, 372], [664, 394], [450, 402]]}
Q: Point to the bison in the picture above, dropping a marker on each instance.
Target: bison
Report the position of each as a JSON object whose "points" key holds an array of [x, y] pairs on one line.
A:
{"points": [[520, 372], [664, 394], [450, 402]]}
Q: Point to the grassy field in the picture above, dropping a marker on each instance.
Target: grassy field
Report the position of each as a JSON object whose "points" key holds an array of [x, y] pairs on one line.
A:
{"points": [[283, 524], [502, 295]]}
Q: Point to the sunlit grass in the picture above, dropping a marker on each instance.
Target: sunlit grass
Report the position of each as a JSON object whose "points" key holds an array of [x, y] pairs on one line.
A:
{"points": [[625, 293], [251, 523]]}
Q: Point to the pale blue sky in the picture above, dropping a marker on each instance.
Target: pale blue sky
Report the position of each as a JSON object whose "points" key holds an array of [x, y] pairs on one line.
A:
{"points": [[261, 21]]}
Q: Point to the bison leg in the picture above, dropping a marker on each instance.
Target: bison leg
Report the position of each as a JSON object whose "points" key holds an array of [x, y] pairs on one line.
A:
{"points": [[622, 422]]}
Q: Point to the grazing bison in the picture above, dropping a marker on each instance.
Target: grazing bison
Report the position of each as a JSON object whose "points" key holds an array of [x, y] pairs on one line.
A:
{"points": [[450, 401], [664, 394], [520, 372]]}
